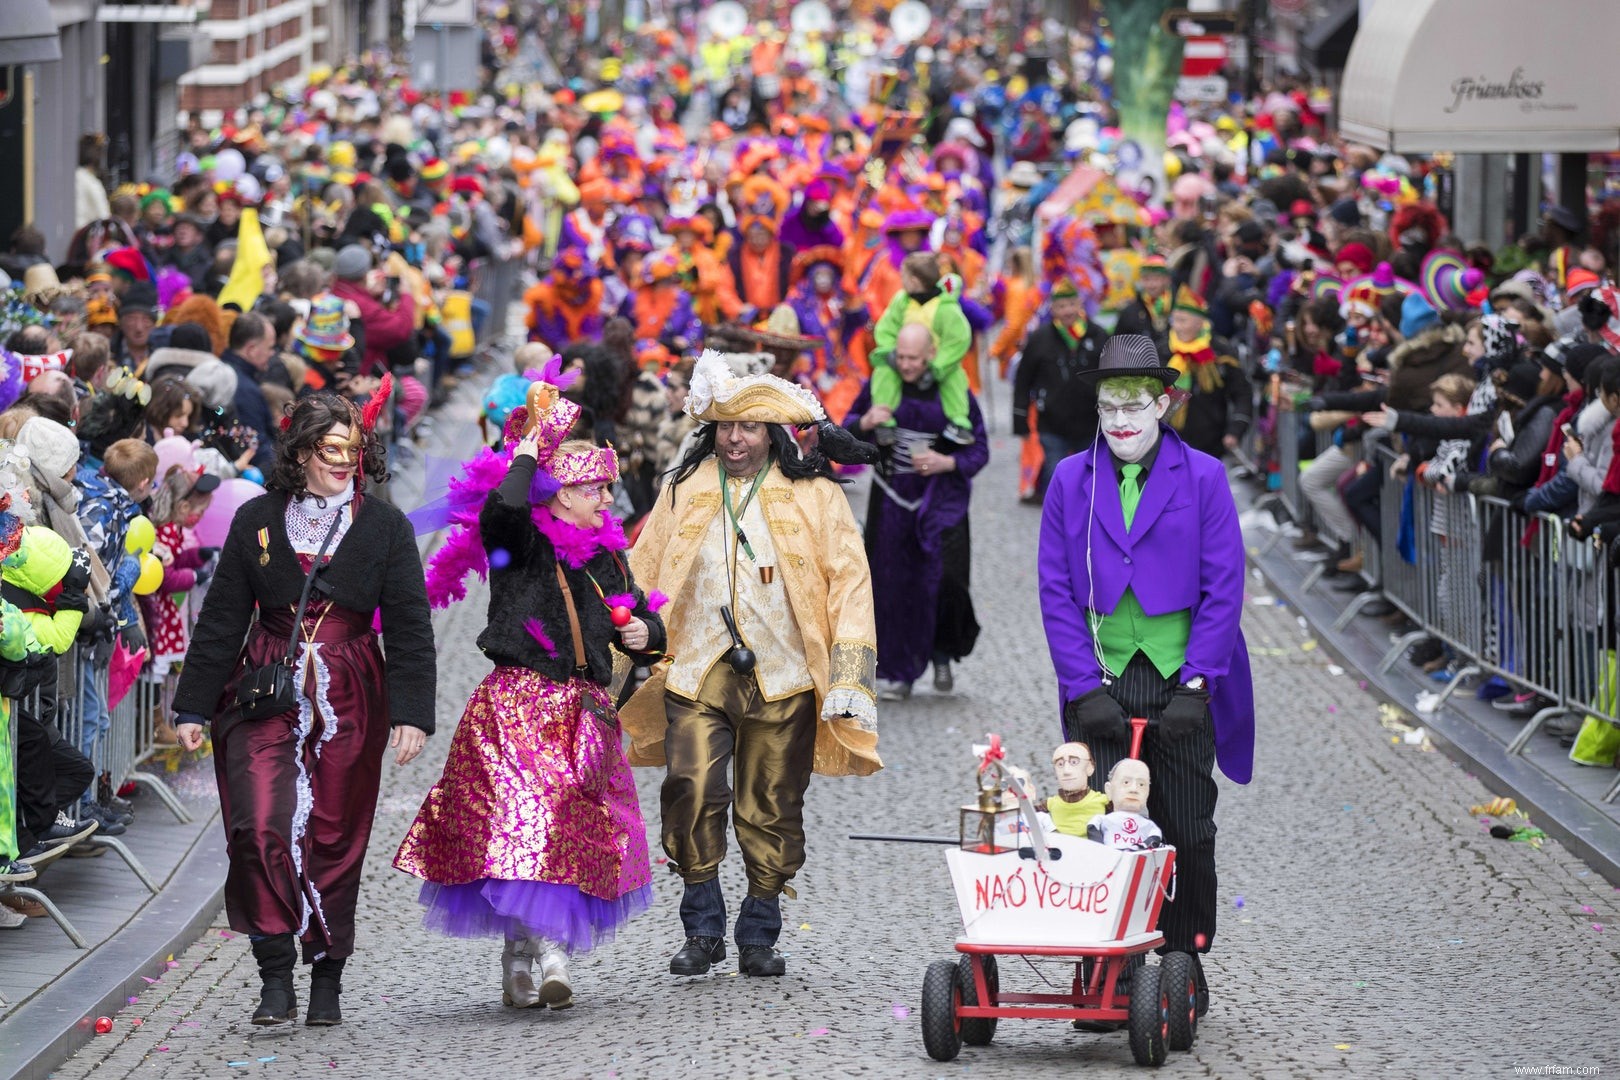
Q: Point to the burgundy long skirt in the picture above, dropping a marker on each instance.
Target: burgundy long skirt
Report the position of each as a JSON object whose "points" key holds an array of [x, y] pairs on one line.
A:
{"points": [[298, 790]]}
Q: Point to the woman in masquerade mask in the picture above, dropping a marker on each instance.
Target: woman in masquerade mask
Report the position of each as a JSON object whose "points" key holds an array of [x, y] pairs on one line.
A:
{"points": [[298, 789]]}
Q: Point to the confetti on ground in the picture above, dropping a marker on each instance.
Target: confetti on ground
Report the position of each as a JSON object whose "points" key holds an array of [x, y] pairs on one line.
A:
{"points": [[131, 1001], [239, 1064], [1361, 684], [900, 1011], [1335, 670], [1308, 645], [1341, 1046], [1598, 927], [148, 979], [804, 926], [272, 1057], [819, 1031], [1361, 986], [227, 935], [1454, 941], [1237, 902], [1333, 708], [1586, 908], [163, 1049]]}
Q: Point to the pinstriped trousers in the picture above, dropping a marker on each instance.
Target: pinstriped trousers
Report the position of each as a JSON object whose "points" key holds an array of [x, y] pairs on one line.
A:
{"points": [[1181, 801]]}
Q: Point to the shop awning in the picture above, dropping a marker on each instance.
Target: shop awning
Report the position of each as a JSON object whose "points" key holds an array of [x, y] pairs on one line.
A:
{"points": [[28, 33], [1484, 76]]}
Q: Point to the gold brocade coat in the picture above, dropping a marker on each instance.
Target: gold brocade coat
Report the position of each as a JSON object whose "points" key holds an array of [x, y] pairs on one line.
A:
{"points": [[829, 586]]}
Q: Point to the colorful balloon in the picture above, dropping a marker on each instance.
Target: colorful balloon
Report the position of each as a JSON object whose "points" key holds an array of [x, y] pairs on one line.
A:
{"points": [[174, 450], [141, 535], [151, 575], [228, 497]]}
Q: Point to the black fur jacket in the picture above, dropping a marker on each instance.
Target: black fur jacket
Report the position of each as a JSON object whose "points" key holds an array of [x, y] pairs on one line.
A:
{"points": [[525, 587]]}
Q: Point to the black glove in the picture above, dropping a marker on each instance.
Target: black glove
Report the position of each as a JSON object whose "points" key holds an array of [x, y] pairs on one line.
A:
{"points": [[1096, 715], [1185, 713], [77, 578], [97, 624], [72, 599], [134, 640]]}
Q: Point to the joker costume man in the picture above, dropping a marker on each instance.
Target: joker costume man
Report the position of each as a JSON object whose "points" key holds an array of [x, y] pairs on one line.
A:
{"points": [[1141, 580]]}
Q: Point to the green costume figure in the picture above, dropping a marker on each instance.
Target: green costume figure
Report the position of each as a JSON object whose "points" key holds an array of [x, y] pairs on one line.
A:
{"points": [[936, 302]]}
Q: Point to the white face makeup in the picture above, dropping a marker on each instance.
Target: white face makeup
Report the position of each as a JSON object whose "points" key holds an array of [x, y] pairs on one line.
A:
{"points": [[1130, 421], [1128, 787], [1072, 764]]}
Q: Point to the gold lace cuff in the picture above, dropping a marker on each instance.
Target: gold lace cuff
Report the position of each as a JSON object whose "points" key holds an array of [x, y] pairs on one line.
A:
{"points": [[853, 664]]}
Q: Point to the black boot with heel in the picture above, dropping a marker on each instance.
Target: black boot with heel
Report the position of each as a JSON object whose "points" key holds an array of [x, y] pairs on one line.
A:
{"points": [[277, 1002], [325, 984]]}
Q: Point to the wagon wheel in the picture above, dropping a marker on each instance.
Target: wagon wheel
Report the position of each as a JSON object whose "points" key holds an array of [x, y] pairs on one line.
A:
{"points": [[1150, 1017], [978, 1031], [941, 997], [1180, 984]]}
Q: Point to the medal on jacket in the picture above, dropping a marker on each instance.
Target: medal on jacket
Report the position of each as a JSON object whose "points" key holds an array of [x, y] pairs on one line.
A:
{"points": [[264, 547]]}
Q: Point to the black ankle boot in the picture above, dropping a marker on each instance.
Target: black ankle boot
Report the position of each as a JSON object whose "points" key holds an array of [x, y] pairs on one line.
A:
{"points": [[277, 1002], [325, 984]]}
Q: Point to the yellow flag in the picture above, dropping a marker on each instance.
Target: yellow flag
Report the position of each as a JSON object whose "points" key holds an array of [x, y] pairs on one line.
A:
{"points": [[247, 272]]}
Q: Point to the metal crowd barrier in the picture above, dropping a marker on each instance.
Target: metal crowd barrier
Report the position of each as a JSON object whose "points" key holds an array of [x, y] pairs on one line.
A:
{"points": [[1509, 594], [116, 751]]}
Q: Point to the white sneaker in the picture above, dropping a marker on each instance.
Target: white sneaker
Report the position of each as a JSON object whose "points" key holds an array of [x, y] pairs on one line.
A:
{"points": [[554, 987], [10, 920]]}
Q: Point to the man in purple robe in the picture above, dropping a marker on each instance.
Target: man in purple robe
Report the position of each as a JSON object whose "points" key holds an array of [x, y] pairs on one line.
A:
{"points": [[917, 526], [1141, 584]]}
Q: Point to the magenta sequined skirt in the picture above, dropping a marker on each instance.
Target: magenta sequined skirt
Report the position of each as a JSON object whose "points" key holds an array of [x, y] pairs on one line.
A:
{"points": [[534, 828]]}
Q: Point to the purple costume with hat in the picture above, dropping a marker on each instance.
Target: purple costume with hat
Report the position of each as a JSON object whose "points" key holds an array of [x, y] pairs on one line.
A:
{"points": [[1141, 570]]}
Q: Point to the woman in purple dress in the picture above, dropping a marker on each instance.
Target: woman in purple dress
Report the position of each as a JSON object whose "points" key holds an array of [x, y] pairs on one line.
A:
{"points": [[534, 834], [917, 526], [298, 790]]}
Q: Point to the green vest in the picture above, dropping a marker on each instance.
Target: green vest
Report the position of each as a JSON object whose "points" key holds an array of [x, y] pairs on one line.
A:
{"points": [[1128, 630]]}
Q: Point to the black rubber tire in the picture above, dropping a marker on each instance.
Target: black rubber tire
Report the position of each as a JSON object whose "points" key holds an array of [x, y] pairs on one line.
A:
{"points": [[978, 1031], [1178, 978], [941, 1027], [1150, 1018]]}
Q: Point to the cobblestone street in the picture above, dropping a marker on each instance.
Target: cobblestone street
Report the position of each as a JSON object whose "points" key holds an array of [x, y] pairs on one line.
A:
{"points": [[1369, 925]]}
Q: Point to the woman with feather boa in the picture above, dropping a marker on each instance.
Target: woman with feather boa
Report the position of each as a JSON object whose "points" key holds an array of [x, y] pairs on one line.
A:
{"points": [[534, 833]]}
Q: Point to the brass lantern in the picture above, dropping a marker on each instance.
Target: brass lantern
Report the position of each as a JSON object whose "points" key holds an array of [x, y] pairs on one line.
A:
{"points": [[989, 827]]}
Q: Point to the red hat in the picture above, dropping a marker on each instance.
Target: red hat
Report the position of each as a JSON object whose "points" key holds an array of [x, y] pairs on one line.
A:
{"points": [[1302, 208], [467, 185], [1358, 255]]}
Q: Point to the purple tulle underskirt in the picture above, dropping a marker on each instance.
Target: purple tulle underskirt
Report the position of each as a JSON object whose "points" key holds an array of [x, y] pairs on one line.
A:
{"points": [[494, 908]]}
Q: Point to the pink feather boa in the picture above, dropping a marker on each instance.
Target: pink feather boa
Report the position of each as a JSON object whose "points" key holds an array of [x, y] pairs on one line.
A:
{"points": [[575, 545], [463, 553]]}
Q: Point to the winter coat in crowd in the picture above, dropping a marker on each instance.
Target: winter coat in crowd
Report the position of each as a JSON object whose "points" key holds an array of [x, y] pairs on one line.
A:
{"points": [[1048, 378]]}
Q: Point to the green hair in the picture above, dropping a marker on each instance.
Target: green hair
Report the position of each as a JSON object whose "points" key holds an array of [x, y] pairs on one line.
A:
{"points": [[1132, 384]]}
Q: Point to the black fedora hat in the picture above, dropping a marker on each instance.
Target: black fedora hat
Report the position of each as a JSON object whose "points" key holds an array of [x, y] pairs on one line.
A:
{"points": [[1126, 355]]}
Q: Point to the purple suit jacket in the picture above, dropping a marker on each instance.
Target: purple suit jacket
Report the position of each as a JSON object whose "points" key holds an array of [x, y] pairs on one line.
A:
{"points": [[1184, 551]]}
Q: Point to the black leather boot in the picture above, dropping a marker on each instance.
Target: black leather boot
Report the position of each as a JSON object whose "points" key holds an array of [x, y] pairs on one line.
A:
{"points": [[277, 1002], [325, 984], [697, 956]]}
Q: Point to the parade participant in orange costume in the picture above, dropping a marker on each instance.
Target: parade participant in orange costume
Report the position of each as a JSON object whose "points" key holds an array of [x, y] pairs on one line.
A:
{"points": [[708, 279], [662, 309], [760, 264], [565, 306]]}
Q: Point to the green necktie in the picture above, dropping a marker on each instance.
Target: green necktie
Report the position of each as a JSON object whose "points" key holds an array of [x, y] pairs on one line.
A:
{"points": [[1130, 491]]}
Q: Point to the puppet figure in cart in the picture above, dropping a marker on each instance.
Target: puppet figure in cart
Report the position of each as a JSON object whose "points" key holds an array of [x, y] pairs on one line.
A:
{"points": [[1075, 804], [1127, 825]]}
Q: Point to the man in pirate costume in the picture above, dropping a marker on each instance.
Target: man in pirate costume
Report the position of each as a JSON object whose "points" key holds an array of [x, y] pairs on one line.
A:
{"points": [[1218, 411], [774, 651], [1141, 586]]}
